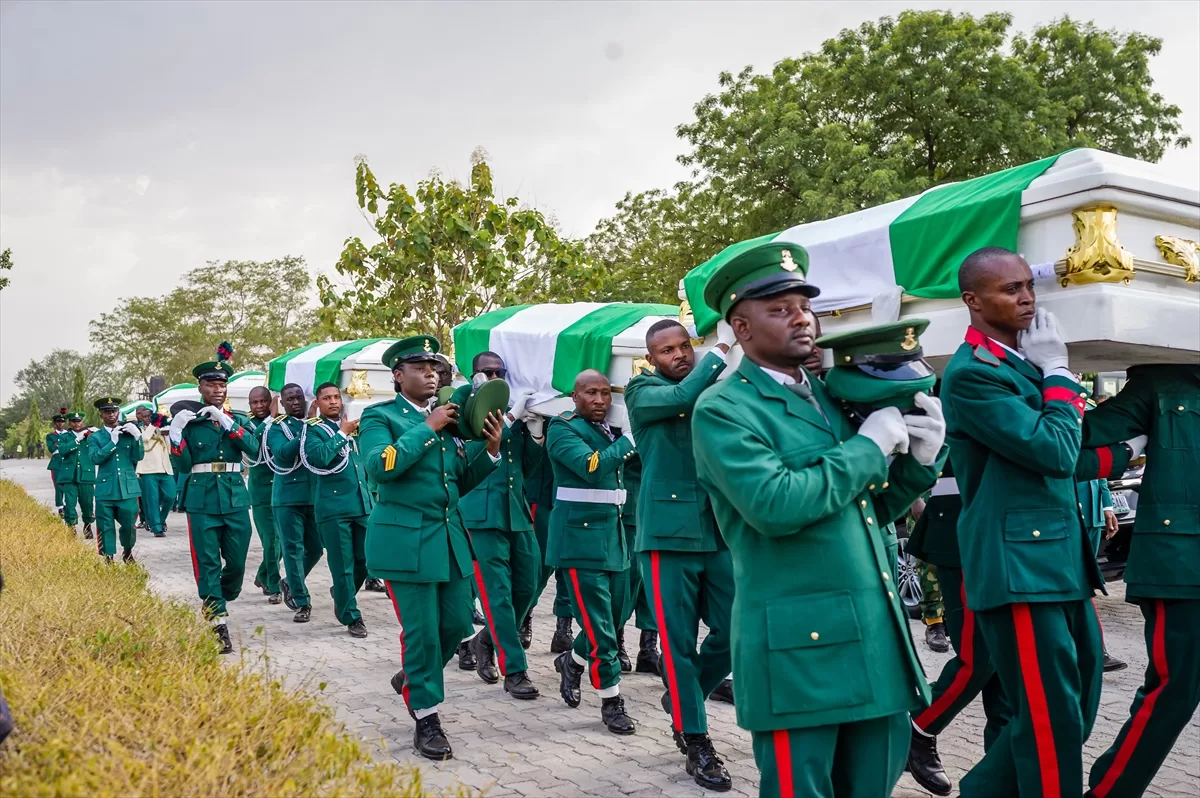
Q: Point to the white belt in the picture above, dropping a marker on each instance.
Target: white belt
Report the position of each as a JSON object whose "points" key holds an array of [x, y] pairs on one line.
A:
{"points": [[946, 486], [591, 496], [216, 468]]}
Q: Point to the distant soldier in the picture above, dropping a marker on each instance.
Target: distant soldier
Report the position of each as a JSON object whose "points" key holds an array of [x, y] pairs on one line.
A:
{"points": [[116, 450], [259, 482], [77, 475], [59, 421], [155, 474], [539, 490]]}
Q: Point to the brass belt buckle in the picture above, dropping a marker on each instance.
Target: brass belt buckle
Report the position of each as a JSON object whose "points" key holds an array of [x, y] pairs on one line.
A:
{"points": [[218, 468]]}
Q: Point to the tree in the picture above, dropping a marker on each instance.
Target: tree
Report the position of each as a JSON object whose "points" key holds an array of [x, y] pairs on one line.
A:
{"points": [[445, 253], [34, 433], [79, 399], [258, 306], [6, 265], [50, 382]]}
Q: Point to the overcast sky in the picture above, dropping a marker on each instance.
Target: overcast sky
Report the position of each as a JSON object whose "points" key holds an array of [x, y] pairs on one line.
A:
{"points": [[140, 140]]}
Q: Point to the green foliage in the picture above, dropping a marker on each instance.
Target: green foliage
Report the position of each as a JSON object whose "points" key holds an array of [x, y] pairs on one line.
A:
{"points": [[35, 430], [446, 252], [80, 399], [52, 382], [6, 265], [259, 306]]}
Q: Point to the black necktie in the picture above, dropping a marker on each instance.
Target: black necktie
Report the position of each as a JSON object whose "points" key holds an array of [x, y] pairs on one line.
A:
{"points": [[806, 393]]}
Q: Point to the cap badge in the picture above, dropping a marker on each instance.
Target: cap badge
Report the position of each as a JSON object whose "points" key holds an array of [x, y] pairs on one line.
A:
{"points": [[910, 340], [427, 349], [786, 263]]}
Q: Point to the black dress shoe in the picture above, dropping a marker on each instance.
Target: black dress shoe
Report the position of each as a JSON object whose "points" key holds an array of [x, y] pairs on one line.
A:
{"points": [[160, 534], [87, 532], [127, 556], [274, 598], [724, 692], [518, 686], [925, 764], [525, 633], [703, 764], [1112, 664], [466, 659], [287, 596], [570, 676], [357, 629], [374, 585], [477, 617], [222, 633], [622, 656], [258, 584], [935, 637], [563, 638], [680, 742], [429, 739], [612, 710], [647, 658], [485, 656], [303, 615]]}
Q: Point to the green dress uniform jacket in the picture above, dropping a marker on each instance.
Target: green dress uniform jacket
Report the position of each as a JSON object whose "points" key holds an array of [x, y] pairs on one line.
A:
{"points": [[260, 479], [820, 636], [673, 513], [499, 502], [214, 492], [342, 494], [76, 466], [295, 487], [116, 463], [52, 439]]}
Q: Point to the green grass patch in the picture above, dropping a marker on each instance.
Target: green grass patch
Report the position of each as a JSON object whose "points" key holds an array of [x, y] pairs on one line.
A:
{"points": [[116, 691]]}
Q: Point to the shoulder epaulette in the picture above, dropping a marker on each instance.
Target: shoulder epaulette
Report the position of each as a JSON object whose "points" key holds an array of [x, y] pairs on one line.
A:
{"points": [[312, 422], [568, 415], [983, 355], [279, 419]]}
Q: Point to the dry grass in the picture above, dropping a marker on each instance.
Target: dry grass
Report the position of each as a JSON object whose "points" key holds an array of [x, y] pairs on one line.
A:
{"points": [[117, 692]]}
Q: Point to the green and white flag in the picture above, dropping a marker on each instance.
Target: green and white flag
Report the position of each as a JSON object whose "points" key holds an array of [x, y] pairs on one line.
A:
{"points": [[176, 393], [546, 346], [312, 365], [917, 243]]}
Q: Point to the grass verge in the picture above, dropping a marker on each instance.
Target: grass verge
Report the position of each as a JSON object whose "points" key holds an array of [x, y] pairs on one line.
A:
{"points": [[117, 692]]}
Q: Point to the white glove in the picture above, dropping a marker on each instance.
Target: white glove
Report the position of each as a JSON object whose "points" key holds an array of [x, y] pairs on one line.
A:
{"points": [[617, 416], [926, 433], [210, 412], [114, 433], [1041, 344], [1138, 445], [536, 424], [886, 428], [518, 406], [178, 422], [725, 334], [885, 306], [129, 428]]}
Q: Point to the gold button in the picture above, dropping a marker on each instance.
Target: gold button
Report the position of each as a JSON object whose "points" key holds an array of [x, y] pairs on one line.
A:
{"points": [[887, 577], [891, 595], [683, 415], [815, 636], [745, 380], [443, 448], [863, 503], [1081, 505], [672, 495], [885, 486], [1083, 395], [1037, 534], [1167, 522], [939, 475], [585, 523], [1180, 408], [870, 487], [870, 522], [733, 296]]}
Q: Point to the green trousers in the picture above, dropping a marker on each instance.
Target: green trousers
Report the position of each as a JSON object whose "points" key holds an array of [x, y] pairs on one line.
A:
{"points": [[969, 674], [562, 595], [110, 514], [850, 760], [1162, 706], [346, 547], [434, 618], [300, 543], [636, 605], [1048, 657], [217, 537], [598, 601], [158, 496], [684, 588], [81, 496], [264, 524], [507, 567]]}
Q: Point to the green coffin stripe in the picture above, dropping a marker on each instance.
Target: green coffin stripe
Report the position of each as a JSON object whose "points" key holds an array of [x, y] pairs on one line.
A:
{"points": [[587, 344], [475, 336], [329, 367], [693, 282], [277, 368], [931, 239]]}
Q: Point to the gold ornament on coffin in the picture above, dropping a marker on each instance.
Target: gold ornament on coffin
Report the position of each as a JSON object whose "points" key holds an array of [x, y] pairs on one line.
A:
{"points": [[1097, 256], [641, 364], [687, 319], [1181, 252], [359, 388]]}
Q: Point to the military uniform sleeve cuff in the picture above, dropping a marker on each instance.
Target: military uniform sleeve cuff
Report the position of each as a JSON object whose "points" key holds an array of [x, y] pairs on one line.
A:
{"points": [[495, 458], [1057, 388]]}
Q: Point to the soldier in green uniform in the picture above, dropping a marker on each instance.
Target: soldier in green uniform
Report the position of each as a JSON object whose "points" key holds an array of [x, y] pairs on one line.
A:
{"points": [[208, 445], [416, 539], [507, 557], [1159, 408], [1100, 522], [77, 475], [260, 482], [329, 449], [686, 565], [539, 490], [586, 539], [825, 668], [115, 450], [59, 422], [292, 501]]}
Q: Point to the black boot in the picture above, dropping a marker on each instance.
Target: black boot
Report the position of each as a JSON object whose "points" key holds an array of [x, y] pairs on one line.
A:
{"points": [[274, 598], [622, 657], [703, 764], [570, 676], [724, 692], [1112, 664], [303, 615], [935, 637], [288, 601], [612, 710], [466, 658], [563, 638], [485, 656], [680, 742], [647, 658], [222, 633], [258, 584], [357, 629], [525, 633], [374, 585], [127, 556], [925, 764], [429, 739], [518, 686], [477, 617]]}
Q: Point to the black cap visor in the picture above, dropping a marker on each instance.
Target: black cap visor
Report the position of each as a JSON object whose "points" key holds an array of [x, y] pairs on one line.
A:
{"points": [[776, 284]]}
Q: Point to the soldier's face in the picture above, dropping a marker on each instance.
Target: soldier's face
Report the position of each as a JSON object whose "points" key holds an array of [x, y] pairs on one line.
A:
{"points": [[330, 403], [293, 402], [77, 426], [418, 380], [58, 426], [1004, 297], [143, 415], [445, 377], [593, 398], [109, 417], [213, 392], [492, 368], [671, 353], [777, 330], [260, 403]]}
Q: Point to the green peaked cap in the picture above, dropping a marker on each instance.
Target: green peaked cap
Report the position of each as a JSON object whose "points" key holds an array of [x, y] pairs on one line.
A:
{"points": [[763, 270], [107, 403], [413, 349], [879, 366]]}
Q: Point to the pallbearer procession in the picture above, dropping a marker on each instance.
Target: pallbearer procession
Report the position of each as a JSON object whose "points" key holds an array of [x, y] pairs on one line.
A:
{"points": [[729, 473]]}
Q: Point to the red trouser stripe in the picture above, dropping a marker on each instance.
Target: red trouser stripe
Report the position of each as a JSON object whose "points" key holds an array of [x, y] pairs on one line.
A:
{"points": [[587, 630], [966, 655], [783, 763], [487, 610], [668, 657], [1105, 458], [1138, 724], [192, 549], [396, 607], [1035, 694], [533, 512]]}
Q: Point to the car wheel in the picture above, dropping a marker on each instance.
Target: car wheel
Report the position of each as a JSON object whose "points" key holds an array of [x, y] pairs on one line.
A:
{"points": [[909, 580]]}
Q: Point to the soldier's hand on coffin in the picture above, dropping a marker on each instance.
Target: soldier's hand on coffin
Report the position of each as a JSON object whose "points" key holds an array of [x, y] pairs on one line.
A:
{"points": [[441, 416], [887, 429], [536, 424], [617, 416], [520, 400], [1041, 343], [493, 428], [927, 432]]}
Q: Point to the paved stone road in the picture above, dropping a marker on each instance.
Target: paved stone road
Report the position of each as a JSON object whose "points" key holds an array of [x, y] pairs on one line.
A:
{"points": [[542, 748]]}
